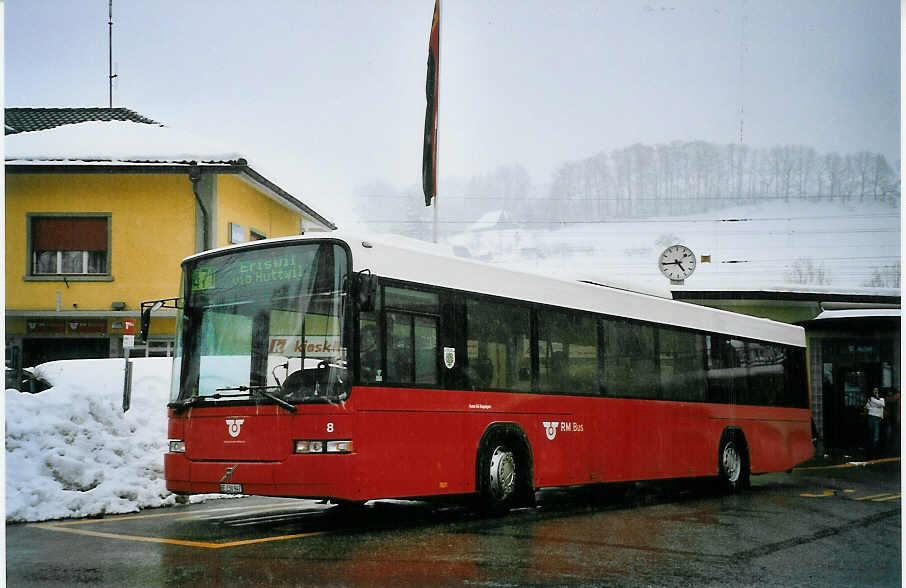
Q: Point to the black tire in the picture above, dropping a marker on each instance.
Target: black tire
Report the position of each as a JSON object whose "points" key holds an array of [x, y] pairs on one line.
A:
{"points": [[347, 508], [609, 494], [733, 463], [503, 474]]}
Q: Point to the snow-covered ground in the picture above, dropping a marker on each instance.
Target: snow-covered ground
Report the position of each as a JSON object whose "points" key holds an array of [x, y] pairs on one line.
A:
{"points": [[72, 452]]}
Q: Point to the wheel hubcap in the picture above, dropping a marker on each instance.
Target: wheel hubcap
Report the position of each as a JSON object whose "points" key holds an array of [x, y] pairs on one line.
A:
{"points": [[732, 462], [503, 473]]}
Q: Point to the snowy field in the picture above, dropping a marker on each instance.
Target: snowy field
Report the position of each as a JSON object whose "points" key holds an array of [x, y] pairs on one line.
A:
{"points": [[776, 245], [72, 452]]}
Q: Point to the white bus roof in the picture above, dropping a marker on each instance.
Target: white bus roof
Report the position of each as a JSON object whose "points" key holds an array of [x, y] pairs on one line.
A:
{"points": [[425, 263]]}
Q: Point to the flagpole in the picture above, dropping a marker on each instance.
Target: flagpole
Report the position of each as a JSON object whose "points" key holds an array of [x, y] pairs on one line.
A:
{"points": [[440, 40], [432, 86]]}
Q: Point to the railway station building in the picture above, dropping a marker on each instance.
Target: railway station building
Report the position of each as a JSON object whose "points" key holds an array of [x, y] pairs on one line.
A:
{"points": [[853, 340]]}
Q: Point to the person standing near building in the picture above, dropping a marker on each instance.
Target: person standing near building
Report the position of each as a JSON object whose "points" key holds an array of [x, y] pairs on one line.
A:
{"points": [[875, 408]]}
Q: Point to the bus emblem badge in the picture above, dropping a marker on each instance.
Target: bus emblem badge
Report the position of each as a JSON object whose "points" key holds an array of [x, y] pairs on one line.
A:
{"points": [[233, 426], [550, 428], [228, 473], [449, 357]]}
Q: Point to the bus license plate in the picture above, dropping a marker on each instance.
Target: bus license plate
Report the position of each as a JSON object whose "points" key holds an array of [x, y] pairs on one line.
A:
{"points": [[231, 488]]}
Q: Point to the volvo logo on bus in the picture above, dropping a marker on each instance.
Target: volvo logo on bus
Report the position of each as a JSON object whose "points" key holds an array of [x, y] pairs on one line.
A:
{"points": [[228, 473], [550, 428], [234, 426]]}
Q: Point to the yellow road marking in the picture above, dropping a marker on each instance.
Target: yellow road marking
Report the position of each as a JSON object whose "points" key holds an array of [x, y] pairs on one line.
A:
{"points": [[204, 544], [873, 496], [894, 497], [66, 527], [824, 494], [852, 464]]}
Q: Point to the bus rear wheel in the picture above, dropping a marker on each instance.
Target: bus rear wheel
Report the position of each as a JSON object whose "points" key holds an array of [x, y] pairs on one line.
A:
{"points": [[503, 475], [733, 463]]}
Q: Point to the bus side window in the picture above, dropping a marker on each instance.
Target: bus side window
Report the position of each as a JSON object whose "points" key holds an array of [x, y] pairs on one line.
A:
{"points": [[567, 353], [681, 365], [370, 368], [399, 347], [630, 363], [498, 352], [727, 369], [410, 336], [369, 351]]}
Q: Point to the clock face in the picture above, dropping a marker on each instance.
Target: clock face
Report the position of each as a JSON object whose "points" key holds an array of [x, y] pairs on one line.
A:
{"points": [[677, 262]]}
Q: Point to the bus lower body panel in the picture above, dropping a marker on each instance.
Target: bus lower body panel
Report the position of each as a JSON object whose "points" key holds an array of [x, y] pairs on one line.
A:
{"points": [[299, 476]]}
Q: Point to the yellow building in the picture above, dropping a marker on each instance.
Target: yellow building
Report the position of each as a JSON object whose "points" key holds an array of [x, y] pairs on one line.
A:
{"points": [[101, 206]]}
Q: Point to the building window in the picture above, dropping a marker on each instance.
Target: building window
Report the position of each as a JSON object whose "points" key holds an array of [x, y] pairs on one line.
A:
{"points": [[69, 245], [256, 235]]}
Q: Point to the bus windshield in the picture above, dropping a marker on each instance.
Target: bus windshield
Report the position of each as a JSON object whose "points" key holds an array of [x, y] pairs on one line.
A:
{"points": [[264, 323]]}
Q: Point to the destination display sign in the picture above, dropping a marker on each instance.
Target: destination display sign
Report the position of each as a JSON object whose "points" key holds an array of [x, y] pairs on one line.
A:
{"points": [[313, 346], [254, 268]]}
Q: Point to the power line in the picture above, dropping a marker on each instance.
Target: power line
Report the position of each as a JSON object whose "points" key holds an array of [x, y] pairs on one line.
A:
{"points": [[657, 221], [744, 199], [675, 220]]}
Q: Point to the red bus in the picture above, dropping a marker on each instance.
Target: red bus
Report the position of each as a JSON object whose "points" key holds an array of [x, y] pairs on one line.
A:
{"points": [[349, 370]]}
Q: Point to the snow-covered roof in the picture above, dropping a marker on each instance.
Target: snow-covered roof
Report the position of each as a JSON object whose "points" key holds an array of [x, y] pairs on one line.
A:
{"points": [[124, 143], [21, 120], [113, 142], [490, 220]]}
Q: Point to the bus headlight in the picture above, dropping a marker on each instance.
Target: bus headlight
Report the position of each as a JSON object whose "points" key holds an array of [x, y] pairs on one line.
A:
{"points": [[309, 447], [344, 446], [177, 446], [333, 446]]}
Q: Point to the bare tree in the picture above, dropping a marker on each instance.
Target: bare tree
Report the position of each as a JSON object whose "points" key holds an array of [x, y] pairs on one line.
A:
{"points": [[887, 276], [806, 271]]}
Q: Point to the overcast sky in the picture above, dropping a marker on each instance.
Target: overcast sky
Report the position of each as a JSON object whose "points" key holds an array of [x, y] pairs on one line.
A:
{"points": [[326, 96]]}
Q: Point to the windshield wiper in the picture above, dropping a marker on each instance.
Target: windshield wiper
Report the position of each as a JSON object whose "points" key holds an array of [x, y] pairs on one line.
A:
{"points": [[181, 405], [263, 391]]}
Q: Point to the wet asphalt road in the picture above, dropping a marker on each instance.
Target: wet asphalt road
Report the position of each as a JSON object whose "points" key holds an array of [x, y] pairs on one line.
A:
{"points": [[837, 526]]}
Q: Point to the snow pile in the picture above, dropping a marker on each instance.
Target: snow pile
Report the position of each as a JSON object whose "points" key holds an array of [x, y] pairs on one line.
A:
{"points": [[72, 452]]}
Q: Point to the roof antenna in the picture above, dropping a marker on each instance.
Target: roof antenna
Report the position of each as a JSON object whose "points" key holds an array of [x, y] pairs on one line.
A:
{"points": [[110, 74], [743, 48]]}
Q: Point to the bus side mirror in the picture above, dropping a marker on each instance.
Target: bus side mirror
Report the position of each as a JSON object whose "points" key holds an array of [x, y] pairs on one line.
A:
{"points": [[366, 291], [146, 324], [147, 309]]}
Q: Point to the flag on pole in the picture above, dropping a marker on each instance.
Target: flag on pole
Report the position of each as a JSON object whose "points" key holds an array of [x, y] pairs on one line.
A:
{"points": [[429, 154]]}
